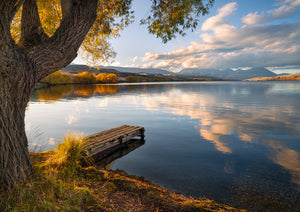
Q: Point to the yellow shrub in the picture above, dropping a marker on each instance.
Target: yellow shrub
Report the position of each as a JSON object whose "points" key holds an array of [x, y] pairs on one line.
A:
{"points": [[84, 77], [101, 78], [58, 77], [112, 78]]}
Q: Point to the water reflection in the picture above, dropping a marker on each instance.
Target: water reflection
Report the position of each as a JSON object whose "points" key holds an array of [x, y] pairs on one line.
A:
{"points": [[256, 122], [203, 139], [56, 93], [133, 144]]}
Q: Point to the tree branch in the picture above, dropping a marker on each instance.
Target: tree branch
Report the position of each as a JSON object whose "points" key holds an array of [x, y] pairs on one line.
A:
{"points": [[17, 7], [10, 53], [8, 9], [61, 49], [32, 32]]}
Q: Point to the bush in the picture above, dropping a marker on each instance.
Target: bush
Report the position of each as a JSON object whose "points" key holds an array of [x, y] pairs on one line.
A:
{"points": [[84, 77], [58, 77], [101, 78], [134, 79], [112, 78]]}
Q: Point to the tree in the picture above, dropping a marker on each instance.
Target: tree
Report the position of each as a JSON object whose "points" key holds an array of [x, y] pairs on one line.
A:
{"points": [[39, 37], [112, 78], [57, 78], [101, 78], [84, 77]]}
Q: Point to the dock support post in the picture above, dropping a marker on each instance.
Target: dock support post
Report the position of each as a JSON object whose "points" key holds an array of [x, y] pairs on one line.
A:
{"points": [[142, 134]]}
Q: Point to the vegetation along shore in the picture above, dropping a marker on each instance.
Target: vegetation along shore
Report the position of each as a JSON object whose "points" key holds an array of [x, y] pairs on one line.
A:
{"points": [[61, 183]]}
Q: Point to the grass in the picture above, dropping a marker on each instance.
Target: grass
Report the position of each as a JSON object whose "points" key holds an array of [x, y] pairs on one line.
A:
{"points": [[60, 183], [277, 78]]}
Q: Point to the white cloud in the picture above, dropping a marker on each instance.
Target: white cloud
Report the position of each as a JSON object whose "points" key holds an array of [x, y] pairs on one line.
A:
{"points": [[217, 20], [52, 141], [293, 2], [134, 59], [223, 45], [281, 12], [71, 119]]}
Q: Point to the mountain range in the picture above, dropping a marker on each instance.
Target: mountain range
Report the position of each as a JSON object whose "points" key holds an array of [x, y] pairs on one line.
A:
{"points": [[228, 74]]}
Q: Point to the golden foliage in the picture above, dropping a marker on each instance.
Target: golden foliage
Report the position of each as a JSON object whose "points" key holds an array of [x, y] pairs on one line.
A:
{"points": [[112, 78], [107, 78], [101, 78], [85, 78], [57, 78]]}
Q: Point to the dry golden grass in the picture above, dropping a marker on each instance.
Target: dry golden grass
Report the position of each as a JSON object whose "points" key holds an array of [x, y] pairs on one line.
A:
{"points": [[278, 78]]}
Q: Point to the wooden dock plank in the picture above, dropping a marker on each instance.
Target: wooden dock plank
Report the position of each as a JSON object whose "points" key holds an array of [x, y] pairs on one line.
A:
{"points": [[111, 139], [110, 132], [113, 135]]}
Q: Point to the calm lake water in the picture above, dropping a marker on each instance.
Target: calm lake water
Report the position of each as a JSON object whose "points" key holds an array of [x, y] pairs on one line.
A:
{"points": [[235, 142]]}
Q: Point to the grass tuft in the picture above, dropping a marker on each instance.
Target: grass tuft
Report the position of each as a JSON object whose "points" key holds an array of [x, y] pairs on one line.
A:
{"points": [[68, 156]]}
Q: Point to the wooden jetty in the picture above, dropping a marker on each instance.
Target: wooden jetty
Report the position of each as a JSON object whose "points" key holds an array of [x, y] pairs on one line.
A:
{"points": [[104, 143]]}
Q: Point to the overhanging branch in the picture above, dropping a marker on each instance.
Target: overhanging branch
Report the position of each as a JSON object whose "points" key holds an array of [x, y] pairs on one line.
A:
{"points": [[32, 32], [61, 49]]}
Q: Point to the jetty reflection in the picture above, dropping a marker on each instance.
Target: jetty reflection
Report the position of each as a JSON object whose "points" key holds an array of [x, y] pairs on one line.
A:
{"points": [[106, 162]]}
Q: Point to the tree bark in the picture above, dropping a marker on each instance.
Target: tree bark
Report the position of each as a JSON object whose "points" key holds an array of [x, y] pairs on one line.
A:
{"points": [[23, 65], [14, 157]]}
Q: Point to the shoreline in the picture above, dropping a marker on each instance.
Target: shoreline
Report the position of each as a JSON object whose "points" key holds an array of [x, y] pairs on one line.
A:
{"points": [[95, 189]]}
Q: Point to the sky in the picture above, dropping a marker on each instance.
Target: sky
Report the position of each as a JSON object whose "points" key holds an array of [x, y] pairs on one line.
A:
{"points": [[235, 34]]}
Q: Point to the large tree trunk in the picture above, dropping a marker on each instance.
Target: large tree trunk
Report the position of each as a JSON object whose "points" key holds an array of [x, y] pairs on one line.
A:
{"points": [[23, 65], [14, 157]]}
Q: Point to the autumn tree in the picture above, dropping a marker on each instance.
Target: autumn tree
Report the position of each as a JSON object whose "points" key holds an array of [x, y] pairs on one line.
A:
{"points": [[112, 78], [84, 78], [39, 37], [101, 78], [58, 78]]}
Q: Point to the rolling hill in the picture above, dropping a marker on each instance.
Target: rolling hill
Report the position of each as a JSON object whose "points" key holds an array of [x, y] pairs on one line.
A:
{"points": [[229, 74]]}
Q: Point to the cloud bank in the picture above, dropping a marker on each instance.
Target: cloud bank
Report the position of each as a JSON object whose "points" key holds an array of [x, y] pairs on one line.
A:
{"points": [[259, 42]]}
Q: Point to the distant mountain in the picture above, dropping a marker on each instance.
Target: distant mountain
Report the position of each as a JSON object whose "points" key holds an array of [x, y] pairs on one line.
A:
{"points": [[251, 73], [206, 72], [229, 74], [75, 69], [139, 70]]}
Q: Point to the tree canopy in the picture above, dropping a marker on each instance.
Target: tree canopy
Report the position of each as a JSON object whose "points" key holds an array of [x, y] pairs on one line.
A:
{"points": [[166, 19]]}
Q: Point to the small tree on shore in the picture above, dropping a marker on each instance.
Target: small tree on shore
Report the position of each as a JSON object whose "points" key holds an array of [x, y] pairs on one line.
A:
{"points": [[84, 78], [112, 78], [101, 78]]}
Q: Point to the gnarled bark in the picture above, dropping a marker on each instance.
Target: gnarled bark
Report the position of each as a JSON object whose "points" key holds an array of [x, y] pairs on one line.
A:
{"points": [[14, 157]]}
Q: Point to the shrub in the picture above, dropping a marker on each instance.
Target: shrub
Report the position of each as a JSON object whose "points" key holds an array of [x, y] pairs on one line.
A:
{"points": [[112, 78], [134, 79], [58, 77], [84, 77], [101, 78]]}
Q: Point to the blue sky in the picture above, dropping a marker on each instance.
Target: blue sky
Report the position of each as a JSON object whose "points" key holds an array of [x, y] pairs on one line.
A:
{"points": [[236, 34]]}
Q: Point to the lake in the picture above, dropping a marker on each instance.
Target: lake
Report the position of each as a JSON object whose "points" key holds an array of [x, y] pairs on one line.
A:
{"points": [[234, 142]]}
